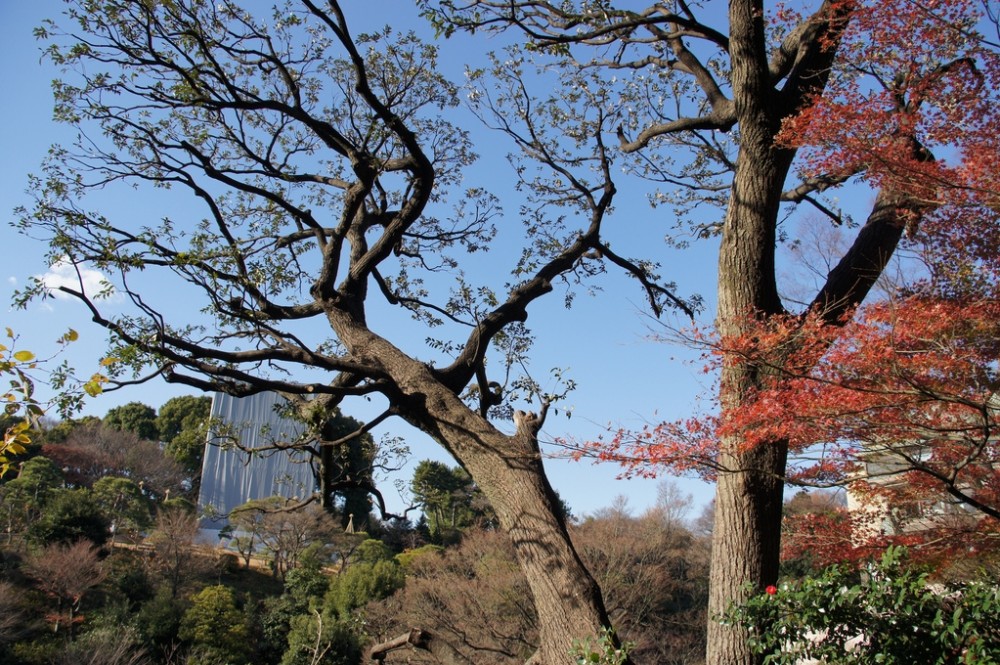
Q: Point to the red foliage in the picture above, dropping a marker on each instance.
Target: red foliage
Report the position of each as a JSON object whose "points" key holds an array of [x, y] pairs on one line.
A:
{"points": [[900, 399], [899, 404], [92, 452], [908, 81]]}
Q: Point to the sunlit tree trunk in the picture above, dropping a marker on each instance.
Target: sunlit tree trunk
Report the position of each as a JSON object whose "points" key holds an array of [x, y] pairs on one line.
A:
{"points": [[748, 497], [509, 471]]}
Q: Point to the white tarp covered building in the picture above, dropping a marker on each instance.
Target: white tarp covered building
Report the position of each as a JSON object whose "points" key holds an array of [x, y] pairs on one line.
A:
{"points": [[230, 476]]}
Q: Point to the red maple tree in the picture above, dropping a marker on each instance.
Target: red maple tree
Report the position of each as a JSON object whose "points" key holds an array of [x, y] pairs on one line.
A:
{"points": [[897, 399]]}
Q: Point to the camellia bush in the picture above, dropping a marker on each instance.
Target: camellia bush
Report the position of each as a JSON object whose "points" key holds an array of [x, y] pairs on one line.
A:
{"points": [[884, 613]]}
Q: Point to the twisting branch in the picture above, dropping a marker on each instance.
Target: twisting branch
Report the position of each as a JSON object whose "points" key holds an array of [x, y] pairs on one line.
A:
{"points": [[652, 288]]}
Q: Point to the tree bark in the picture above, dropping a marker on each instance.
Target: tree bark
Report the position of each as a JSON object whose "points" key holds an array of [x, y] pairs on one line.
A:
{"points": [[509, 471], [748, 500], [747, 531], [748, 510], [749, 495]]}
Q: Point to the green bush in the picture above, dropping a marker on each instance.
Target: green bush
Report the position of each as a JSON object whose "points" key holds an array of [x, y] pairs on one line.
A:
{"points": [[305, 584], [363, 582], [159, 620], [887, 614], [320, 638], [215, 628], [70, 515], [406, 558], [370, 551]]}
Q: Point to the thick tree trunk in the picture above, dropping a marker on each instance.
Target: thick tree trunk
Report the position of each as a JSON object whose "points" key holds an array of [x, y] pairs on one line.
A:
{"points": [[749, 494], [747, 531], [567, 598], [568, 601], [746, 540], [509, 471], [748, 499]]}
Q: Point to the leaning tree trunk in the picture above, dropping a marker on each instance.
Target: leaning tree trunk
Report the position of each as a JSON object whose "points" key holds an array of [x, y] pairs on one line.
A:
{"points": [[567, 599], [509, 471]]}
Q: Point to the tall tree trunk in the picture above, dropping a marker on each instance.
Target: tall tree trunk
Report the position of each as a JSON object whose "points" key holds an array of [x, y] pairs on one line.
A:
{"points": [[748, 500], [745, 542], [748, 511], [747, 537]]}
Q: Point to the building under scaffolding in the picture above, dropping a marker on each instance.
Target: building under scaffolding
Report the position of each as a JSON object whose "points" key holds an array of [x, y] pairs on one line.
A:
{"points": [[231, 475]]}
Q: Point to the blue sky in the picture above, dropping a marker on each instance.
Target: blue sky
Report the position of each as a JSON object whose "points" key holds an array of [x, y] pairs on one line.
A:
{"points": [[603, 341]]}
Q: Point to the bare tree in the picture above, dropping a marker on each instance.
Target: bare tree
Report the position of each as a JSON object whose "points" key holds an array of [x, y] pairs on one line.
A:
{"points": [[654, 574], [67, 573], [282, 530], [323, 178], [13, 613], [471, 601], [104, 646], [94, 451], [172, 541], [472, 597]]}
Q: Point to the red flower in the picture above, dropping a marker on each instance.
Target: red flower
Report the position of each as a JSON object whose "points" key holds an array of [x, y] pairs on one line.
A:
{"points": [[771, 590]]}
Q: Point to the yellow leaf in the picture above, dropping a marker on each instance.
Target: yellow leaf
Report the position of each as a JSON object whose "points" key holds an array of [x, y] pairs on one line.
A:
{"points": [[24, 356], [93, 387]]}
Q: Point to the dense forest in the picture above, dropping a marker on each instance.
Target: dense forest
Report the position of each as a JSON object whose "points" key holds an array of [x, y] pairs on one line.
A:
{"points": [[102, 562]]}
